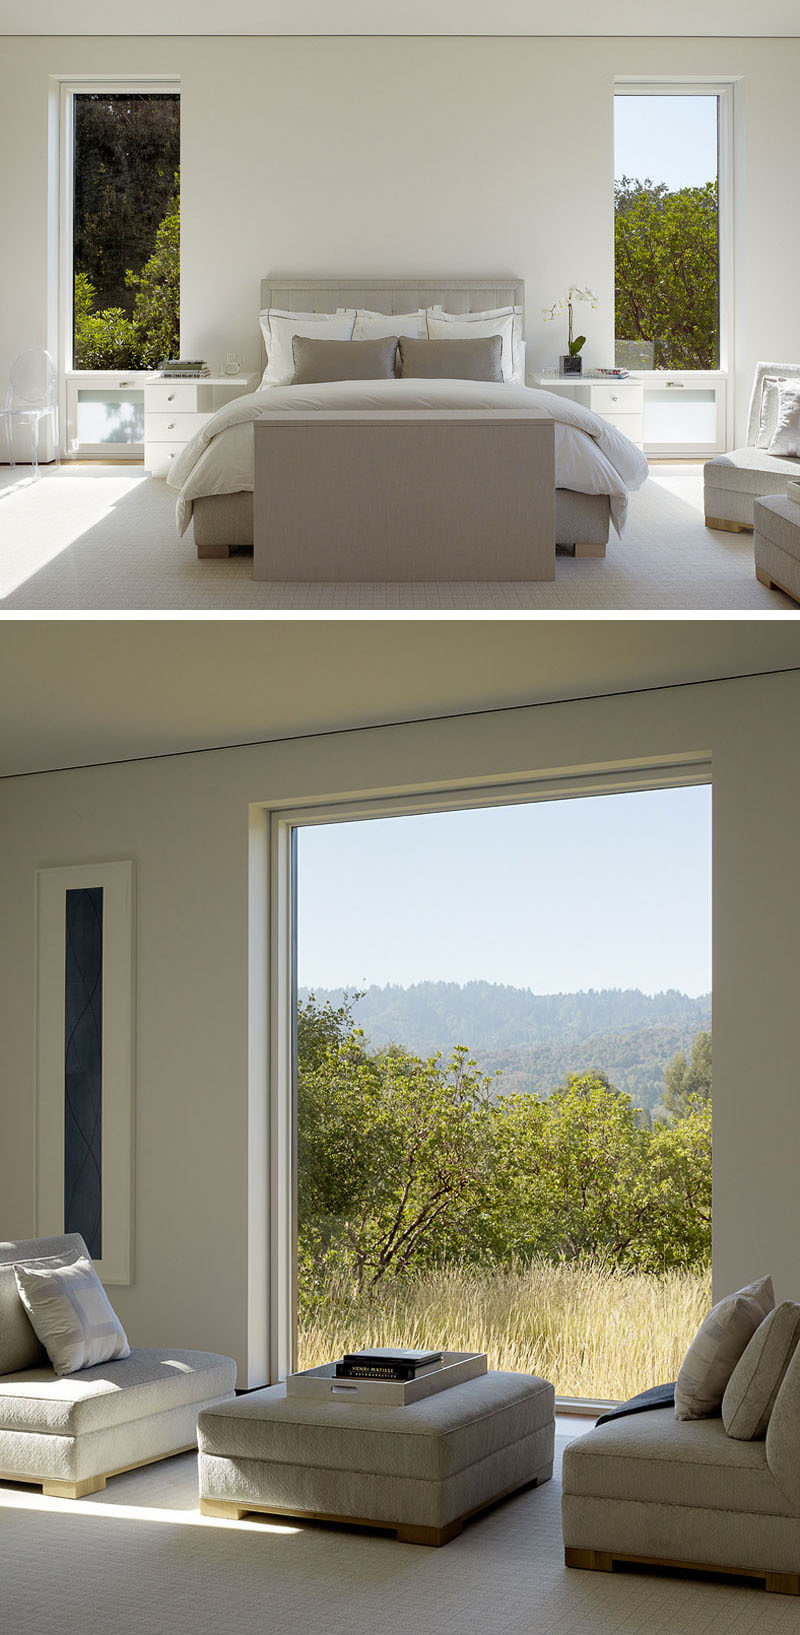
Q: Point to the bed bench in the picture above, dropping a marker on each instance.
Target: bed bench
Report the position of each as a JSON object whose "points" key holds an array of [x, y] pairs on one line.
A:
{"points": [[416, 495]]}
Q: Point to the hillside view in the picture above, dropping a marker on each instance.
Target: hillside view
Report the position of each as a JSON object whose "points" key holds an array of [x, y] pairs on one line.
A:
{"points": [[535, 1040]]}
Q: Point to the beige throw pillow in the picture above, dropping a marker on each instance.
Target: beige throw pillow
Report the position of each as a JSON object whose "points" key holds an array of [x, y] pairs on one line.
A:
{"points": [[316, 361], [478, 359], [758, 1376], [717, 1347], [71, 1313]]}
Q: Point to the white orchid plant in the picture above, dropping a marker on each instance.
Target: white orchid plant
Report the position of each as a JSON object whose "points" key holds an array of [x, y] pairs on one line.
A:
{"points": [[574, 293]]}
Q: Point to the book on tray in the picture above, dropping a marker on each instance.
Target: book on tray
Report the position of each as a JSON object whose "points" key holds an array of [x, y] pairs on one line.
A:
{"points": [[184, 368], [387, 1363]]}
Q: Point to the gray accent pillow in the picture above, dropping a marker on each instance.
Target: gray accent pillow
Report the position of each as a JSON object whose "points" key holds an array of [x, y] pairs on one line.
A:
{"points": [[758, 1376], [716, 1348], [71, 1313], [480, 359], [316, 361], [20, 1346]]}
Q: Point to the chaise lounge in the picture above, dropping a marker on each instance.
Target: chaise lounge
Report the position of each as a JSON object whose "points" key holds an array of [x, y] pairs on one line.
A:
{"points": [[69, 1433]]}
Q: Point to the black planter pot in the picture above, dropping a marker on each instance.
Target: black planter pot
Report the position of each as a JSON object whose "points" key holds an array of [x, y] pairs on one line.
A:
{"points": [[570, 365]]}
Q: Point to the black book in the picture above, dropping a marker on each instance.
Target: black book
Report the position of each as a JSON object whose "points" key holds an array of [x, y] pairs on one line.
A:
{"points": [[387, 1363], [384, 1371]]}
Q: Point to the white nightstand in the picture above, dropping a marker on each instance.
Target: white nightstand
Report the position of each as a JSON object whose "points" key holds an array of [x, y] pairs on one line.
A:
{"points": [[175, 409], [620, 402]]}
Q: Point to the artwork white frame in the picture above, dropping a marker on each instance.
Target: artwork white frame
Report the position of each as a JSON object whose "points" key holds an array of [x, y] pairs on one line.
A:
{"points": [[117, 880]]}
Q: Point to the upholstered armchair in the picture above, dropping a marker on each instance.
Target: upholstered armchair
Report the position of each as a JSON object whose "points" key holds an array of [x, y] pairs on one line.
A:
{"points": [[732, 481]]}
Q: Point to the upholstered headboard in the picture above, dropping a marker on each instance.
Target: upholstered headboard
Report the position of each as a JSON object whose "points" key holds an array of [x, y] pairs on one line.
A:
{"points": [[391, 294]]}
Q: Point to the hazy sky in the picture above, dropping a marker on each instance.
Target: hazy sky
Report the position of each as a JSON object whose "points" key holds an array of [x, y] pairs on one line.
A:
{"points": [[610, 891], [671, 139]]}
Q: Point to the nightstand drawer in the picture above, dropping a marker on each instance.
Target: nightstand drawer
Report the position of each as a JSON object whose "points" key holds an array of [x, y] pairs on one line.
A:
{"points": [[174, 396], [159, 457], [174, 428], [616, 396], [631, 424]]}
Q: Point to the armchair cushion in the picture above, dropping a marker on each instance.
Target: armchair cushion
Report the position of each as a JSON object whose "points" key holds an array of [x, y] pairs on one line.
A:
{"points": [[654, 1459], [751, 471], [717, 1347], [757, 1378]]}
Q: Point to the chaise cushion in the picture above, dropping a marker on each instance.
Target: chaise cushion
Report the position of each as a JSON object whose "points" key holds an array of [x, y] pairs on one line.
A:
{"points": [[750, 471], [145, 1383], [652, 1458]]}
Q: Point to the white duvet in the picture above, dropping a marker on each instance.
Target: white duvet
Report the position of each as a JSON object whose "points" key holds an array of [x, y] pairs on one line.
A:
{"points": [[592, 457]]}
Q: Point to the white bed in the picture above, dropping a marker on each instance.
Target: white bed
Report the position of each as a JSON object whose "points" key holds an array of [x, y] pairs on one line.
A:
{"points": [[595, 465]]}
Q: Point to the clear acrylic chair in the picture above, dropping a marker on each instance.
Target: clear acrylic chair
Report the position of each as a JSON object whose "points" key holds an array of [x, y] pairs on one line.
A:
{"points": [[32, 396]]}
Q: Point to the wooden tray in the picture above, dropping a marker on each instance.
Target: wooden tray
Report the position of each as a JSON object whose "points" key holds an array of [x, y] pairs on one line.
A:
{"points": [[321, 1384]]}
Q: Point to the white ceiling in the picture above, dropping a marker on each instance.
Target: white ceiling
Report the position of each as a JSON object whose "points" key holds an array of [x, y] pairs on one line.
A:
{"points": [[78, 692], [665, 18]]}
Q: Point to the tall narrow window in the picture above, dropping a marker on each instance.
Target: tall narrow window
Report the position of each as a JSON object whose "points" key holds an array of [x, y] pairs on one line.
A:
{"points": [[672, 240], [125, 229], [120, 256], [666, 210]]}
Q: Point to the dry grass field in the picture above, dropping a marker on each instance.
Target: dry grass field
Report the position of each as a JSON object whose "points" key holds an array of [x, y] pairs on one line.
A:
{"points": [[595, 1333]]}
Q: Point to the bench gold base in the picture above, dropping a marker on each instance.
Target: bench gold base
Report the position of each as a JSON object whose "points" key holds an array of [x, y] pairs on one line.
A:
{"points": [[602, 1561], [90, 1484]]}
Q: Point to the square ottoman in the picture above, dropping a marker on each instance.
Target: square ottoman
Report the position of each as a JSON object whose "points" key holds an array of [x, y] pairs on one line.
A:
{"points": [[418, 1470], [776, 543]]}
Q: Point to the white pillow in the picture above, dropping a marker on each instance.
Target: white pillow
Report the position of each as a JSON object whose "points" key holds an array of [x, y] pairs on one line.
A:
{"points": [[503, 321], [769, 411], [786, 436], [71, 1313], [278, 327], [375, 326]]}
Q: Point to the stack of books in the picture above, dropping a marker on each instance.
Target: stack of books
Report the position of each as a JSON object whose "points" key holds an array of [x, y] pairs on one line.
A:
{"points": [[613, 374], [184, 369], [387, 1363]]}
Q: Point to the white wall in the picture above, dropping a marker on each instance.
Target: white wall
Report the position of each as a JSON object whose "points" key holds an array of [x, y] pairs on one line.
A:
{"points": [[184, 821], [441, 156]]}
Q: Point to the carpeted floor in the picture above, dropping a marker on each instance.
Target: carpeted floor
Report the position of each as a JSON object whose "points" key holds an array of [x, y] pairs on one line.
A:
{"points": [[139, 1560], [104, 537]]}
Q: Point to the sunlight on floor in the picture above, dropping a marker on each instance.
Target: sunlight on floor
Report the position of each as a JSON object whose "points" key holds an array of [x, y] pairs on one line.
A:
{"points": [[41, 518], [18, 1498]]}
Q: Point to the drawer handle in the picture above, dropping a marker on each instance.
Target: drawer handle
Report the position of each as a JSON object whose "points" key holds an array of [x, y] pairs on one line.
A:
{"points": [[614, 397], [171, 397], [677, 385], [123, 383], [171, 426]]}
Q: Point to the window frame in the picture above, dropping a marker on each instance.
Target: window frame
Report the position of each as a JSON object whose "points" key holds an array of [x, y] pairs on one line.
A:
{"points": [[721, 380], [272, 1012], [70, 379]]}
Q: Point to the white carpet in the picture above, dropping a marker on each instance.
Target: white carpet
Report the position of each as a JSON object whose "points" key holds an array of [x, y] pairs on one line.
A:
{"points": [[139, 1560], [105, 538]]}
